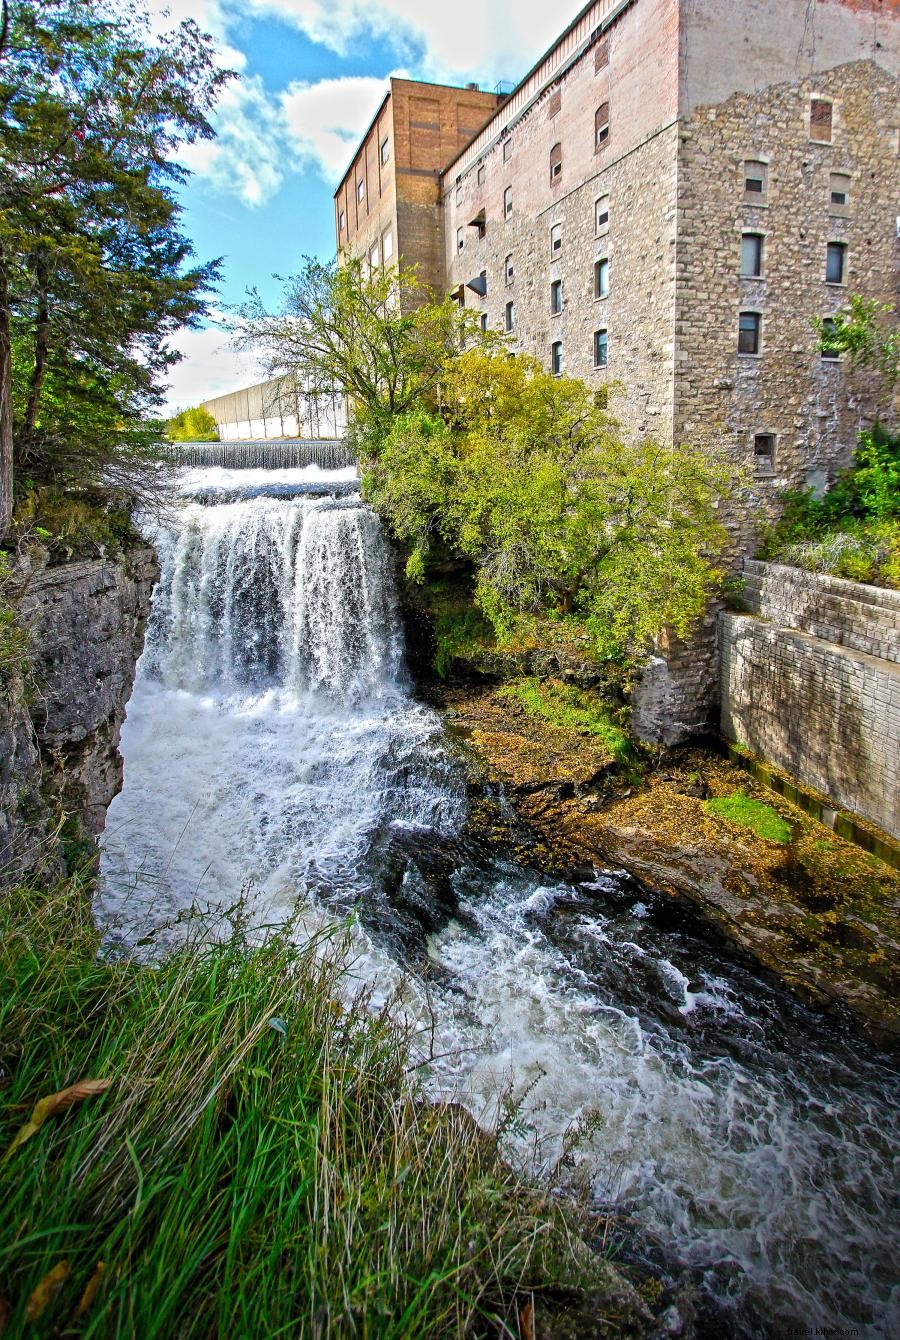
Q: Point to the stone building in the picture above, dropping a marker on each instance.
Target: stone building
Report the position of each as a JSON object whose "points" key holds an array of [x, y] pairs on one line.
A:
{"points": [[388, 204]]}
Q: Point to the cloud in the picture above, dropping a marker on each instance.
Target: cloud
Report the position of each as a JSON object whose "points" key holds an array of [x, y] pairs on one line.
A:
{"points": [[324, 121], [248, 157], [210, 367]]}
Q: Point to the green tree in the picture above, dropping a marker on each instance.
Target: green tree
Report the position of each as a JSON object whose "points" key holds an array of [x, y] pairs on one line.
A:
{"points": [[95, 271], [528, 478], [192, 425], [868, 333]]}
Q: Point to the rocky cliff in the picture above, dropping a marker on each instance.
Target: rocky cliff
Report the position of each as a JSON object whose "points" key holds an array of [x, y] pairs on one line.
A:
{"points": [[60, 724]]}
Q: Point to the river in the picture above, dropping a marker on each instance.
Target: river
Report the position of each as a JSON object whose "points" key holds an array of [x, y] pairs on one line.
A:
{"points": [[275, 753]]}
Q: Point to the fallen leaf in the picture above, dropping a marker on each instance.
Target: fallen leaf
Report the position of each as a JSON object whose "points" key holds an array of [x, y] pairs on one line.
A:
{"points": [[46, 1291], [526, 1321], [53, 1104], [90, 1290]]}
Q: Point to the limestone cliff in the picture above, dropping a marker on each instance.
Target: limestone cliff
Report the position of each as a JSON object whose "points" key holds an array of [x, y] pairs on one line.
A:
{"points": [[59, 734]]}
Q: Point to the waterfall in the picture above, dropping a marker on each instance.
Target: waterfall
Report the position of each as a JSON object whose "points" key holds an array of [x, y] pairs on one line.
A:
{"points": [[274, 753], [275, 454]]}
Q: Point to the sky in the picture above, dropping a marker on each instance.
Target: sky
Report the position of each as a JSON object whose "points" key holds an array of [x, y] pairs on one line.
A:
{"points": [[312, 73]]}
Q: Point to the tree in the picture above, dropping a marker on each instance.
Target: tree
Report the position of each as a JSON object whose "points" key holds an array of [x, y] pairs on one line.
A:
{"points": [[193, 425], [868, 333], [95, 272], [527, 477], [379, 337]]}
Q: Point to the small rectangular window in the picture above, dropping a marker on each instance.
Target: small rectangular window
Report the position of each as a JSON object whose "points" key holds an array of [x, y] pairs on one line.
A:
{"points": [[555, 164], [480, 175], [839, 191], [556, 239], [751, 255], [484, 321], [556, 358], [341, 220], [556, 297], [507, 150], [508, 269], [385, 149], [749, 327], [555, 103], [601, 214], [460, 239], [387, 245], [360, 189], [764, 453], [601, 348], [835, 263], [510, 316], [507, 202], [756, 180], [601, 126], [829, 351], [601, 278], [601, 55], [373, 256], [820, 120]]}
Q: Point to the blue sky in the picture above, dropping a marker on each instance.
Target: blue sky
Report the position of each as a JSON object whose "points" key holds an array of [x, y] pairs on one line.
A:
{"points": [[312, 73]]}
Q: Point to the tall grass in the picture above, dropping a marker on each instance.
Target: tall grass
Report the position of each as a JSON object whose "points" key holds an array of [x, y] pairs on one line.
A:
{"points": [[261, 1164]]}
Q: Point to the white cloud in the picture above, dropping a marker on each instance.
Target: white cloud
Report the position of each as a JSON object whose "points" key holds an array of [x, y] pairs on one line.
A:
{"points": [[210, 367], [324, 121], [248, 156]]}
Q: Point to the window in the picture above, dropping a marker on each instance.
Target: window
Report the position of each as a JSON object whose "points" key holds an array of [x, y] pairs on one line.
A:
{"points": [[601, 126], [508, 269], [556, 358], [828, 351], [556, 239], [460, 239], [507, 150], [556, 297], [601, 278], [373, 256], [835, 263], [385, 149], [601, 348], [764, 453], [555, 103], [820, 120], [601, 55], [601, 214], [387, 246], [341, 220], [507, 202], [555, 164], [480, 174], [360, 189], [839, 192], [484, 321], [751, 255], [749, 328], [483, 286], [510, 316], [756, 181]]}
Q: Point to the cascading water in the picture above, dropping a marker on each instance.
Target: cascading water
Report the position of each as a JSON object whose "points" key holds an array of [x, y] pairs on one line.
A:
{"points": [[272, 743]]}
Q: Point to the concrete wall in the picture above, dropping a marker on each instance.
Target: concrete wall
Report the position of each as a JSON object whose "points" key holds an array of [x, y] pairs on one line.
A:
{"points": [[820, 707], [275, 409]]}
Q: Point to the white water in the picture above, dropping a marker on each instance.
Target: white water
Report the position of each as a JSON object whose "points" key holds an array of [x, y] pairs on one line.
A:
{"points": [[272, 741]]}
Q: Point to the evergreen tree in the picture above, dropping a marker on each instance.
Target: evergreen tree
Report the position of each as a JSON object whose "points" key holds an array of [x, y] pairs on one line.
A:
{"points": [[95, 271]]}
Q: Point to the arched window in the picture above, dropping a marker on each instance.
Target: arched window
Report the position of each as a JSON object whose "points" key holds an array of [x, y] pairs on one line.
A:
{"points": [[555, 164], [601, 126]]}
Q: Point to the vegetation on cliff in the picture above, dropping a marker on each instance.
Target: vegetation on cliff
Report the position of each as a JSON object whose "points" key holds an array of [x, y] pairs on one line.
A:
{"points": [[232, 1150]]}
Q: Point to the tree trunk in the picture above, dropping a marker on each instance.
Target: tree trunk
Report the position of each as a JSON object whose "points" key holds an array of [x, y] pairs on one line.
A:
{"points": [[41, 346], [6, 408]]}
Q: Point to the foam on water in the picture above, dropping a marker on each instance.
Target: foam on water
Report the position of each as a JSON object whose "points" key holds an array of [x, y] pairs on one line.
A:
{"points": [[272, 741]]}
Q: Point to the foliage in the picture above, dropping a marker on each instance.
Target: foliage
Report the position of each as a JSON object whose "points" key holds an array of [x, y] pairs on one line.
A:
{"points": [[13, 637], [741, 809], [95, 271], [854, 530], [377, 335], [866, 331], [574, 709], [193, 425], [261, 1162], [83, 523], [525, 476]]}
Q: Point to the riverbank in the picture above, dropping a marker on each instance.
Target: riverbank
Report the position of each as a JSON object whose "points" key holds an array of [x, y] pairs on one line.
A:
{"points": [[807, 905], [251, 1157]]}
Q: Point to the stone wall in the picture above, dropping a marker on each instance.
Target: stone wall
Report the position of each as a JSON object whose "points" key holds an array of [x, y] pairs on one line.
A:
{"points": [[821, 708], [60, 733]]}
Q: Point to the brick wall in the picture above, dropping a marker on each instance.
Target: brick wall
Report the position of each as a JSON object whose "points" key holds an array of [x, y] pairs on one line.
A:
{"points": [[850, 614]]}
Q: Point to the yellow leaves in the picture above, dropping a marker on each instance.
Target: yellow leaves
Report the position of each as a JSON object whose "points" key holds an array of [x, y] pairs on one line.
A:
{"points": [[43, 1295], [52, 1105]]}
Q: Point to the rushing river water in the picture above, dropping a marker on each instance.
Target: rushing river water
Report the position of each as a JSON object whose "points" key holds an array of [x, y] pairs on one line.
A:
{"points": [[273, 746]]}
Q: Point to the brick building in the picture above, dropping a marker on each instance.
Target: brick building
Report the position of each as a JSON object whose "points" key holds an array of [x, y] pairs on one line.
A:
{"points": [[664, 203]]}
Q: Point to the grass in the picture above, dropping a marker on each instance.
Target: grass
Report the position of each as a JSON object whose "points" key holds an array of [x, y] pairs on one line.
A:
{"points": [[573, 709], [741, 809], [261, 1163]]}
